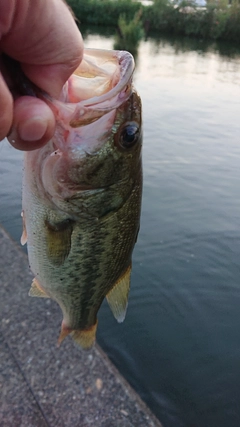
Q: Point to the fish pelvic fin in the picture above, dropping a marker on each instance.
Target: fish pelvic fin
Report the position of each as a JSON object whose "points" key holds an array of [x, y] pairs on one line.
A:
{"points": [[36, 290], [24, 232], [117, 297], [85, 338]]}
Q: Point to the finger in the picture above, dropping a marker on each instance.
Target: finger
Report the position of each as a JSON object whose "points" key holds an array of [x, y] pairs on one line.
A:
{"points": [[33, 124], [45, 39], [6, 109]]}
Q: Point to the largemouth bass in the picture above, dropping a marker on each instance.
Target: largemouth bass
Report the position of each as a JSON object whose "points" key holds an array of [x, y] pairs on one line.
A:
{"points": [[82, 195]]}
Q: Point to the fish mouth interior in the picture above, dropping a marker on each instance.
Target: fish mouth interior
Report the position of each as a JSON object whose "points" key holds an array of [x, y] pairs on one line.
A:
{"points": [[93, 78], [101, 75], [100, 84]]}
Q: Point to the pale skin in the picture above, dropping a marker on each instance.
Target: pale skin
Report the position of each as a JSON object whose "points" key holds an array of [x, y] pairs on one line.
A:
{"points": [[43, 37]]}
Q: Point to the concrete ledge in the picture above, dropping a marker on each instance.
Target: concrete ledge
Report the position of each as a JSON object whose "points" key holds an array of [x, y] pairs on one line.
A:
{"points": [[41, 385]]}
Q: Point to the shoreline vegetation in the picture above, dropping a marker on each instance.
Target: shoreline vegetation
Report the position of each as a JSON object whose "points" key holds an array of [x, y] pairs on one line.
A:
{"points": [[218, 20]]}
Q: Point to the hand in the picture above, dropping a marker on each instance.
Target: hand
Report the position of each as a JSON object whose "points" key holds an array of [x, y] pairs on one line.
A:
{"points": [[44, 38]]}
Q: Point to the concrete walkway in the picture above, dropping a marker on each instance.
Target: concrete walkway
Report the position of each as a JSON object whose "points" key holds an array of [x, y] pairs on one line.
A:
{"points": [[41, 385]]}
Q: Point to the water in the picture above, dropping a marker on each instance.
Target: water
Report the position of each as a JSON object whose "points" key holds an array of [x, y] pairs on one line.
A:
{"points": [[179, 345]]}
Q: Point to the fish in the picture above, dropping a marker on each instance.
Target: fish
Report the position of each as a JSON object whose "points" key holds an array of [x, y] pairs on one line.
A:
{"points": [[81, 200]]}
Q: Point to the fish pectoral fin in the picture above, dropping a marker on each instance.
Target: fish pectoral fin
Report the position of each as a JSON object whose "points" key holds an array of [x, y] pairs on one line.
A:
{"points": [[36, 290], [59, 240], [117, 298], [84, 337], [24, 232]]}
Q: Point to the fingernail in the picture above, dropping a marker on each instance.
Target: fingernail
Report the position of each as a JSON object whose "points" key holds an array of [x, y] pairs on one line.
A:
{"points": [[32, 129]]}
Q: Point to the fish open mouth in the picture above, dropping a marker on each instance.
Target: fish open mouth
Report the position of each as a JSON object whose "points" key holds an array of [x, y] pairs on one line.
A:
{"points": [[101, 83]]}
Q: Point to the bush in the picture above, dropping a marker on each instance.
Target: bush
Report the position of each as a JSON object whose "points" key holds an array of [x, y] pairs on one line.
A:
{"points": [[217, 21], [103, 12], [129, 33]]}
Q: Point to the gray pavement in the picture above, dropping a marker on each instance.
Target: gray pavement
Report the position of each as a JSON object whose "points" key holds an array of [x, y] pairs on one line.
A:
{"points": [[41, 385]]}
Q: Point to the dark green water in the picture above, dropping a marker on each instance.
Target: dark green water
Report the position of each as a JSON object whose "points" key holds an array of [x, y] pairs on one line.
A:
{"points": [[180, 343]]}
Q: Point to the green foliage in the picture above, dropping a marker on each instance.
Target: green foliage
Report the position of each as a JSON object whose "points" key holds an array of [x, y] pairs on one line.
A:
{"points": [[103, 12], [217, 21], [129, 34], [160, 16], [232, 26]]}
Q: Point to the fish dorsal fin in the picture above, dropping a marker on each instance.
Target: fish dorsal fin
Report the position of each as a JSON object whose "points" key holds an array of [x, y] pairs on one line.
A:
{"points": [[59, 240], [24, 232], [36, 290], [117, 298]]}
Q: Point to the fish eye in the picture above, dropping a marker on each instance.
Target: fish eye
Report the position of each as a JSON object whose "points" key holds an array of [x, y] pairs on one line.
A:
{"points": [[128, 135]]}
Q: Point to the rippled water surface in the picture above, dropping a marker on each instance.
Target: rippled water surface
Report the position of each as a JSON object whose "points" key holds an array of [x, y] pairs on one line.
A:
{"points": [[180, 343]]}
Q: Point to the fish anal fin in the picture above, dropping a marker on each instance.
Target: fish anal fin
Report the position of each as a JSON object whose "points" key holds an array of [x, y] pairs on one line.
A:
{"points": [[58, 240], [85, 338], [24, 232], [65, 331], [36, 290], [117, 297]]}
